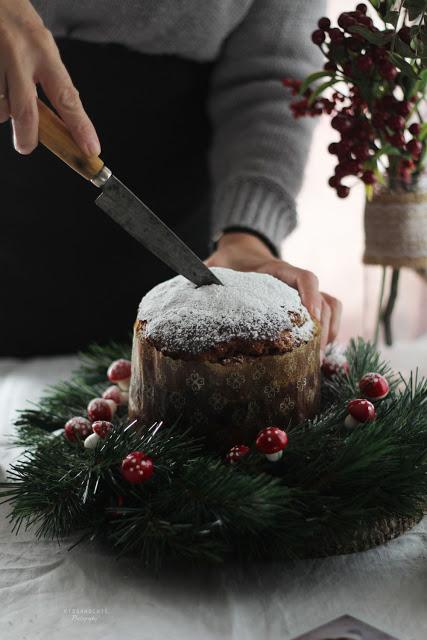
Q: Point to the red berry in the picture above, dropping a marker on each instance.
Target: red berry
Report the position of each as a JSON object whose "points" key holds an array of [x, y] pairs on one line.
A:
{"points": [[415, 129], [361, 151], [318, 36], [365, 21], [336, 36], [378, 120], [102, 428], [99, 409], [334, 182], [387, 70], [345, 21], [405, 34], [341, 123], [365, 63], [345, 146], [388, 102], [137, 467], [324, 24], [397, 123], [397, 140], [362, 8], [333, 148], [350, 167], [342, 191], [414, 147], [368, 177], [77, 427], [408, 164]]}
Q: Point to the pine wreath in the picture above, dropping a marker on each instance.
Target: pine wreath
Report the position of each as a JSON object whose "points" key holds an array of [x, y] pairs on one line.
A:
{"points": [[334, 489]]}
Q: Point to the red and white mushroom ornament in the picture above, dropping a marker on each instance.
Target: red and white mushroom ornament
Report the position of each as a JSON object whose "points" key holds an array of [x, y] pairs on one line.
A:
{"points": [[100, 430], [77, 427], [271, 442], [374, 386], [137, 467], [359, 412], [101, 409], [115, 394], [334, 361], [119, 373], [236, 453]]}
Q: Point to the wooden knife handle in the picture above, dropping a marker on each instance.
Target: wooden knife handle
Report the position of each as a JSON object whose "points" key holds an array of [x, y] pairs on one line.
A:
{"points": [[55, 136]]}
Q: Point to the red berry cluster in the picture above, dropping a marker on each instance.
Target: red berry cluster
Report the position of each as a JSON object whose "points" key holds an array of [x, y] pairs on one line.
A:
{"points": [[306, 107], [372, 112]]}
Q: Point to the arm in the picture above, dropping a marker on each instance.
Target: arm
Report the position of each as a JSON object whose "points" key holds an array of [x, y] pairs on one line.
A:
{"points": [[259, 150]]}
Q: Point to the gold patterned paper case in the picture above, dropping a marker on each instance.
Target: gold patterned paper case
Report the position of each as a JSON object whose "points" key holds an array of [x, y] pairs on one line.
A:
{"points": [[253, 374]]}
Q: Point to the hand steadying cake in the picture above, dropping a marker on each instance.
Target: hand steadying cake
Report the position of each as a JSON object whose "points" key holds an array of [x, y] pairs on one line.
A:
{"points": [[188, 102]]}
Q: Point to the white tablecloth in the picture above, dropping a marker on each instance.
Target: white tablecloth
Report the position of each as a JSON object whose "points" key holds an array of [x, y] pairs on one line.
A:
{"points": [[47, 591]]}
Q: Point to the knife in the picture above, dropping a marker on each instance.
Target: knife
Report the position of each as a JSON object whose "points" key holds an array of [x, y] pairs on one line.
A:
{"points": [[121, 204]]}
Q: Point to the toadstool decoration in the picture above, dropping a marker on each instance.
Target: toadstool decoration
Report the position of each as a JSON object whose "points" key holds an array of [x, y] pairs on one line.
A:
{"points": [[236, 453], [119, 373], [101, 409], [359, 412], [374, 386], [271, 442], [100, 430], [137, 467], [116, 395], [77, 427]]}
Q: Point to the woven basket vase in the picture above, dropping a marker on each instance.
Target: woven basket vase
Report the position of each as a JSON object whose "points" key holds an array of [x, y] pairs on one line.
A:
{"points": [[396, 228]]}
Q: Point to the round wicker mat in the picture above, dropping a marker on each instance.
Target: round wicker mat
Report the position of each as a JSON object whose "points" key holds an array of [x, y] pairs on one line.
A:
{"points": [[364, 539]]}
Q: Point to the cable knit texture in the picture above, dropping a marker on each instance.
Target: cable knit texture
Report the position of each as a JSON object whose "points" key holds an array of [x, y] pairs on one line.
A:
{"points": [[258, 151]]}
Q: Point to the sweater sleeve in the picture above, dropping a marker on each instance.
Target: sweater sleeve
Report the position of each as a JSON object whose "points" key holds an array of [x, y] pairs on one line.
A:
{"points": [[259, 150]]}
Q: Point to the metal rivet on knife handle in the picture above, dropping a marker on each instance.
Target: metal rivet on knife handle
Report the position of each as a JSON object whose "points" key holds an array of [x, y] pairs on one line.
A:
{"points": [[54, 135]]}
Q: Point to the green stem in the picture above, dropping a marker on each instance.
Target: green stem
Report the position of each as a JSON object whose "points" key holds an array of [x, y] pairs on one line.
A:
{"points": [[380, 304], [388, 311]]}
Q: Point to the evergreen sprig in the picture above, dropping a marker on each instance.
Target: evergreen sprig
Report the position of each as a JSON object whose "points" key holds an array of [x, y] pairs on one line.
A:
{"points": [[329, 484]]}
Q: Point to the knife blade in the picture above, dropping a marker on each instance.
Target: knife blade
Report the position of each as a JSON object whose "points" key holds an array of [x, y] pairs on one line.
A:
{"points": [[140, 222], [121, 204]]}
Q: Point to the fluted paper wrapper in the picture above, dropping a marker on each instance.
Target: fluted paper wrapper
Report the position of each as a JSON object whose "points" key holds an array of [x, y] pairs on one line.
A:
{"points": [[227, 403]]}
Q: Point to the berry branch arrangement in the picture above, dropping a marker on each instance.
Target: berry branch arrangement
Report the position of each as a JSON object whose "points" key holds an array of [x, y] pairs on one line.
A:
{"points": [[372, 85], [352, 477]]}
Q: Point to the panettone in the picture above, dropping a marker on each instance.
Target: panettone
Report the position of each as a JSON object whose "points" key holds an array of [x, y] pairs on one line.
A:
{"points": [[227, 360]]}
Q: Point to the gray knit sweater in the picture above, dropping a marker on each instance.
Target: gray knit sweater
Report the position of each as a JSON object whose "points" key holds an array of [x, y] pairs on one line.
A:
{"points": [[259, 150]]}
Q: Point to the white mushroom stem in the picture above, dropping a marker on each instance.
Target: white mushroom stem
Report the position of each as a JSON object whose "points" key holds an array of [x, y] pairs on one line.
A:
{"points": [[350, 422], [274, 457], [92, 440], [124, 384]]}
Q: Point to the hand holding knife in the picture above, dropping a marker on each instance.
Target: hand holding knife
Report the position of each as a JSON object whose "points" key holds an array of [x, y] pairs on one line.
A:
{"points": [[121, 204]]}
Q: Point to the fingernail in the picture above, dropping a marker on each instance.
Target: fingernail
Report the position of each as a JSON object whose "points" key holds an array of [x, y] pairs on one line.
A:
{"points": [[93, 148]]}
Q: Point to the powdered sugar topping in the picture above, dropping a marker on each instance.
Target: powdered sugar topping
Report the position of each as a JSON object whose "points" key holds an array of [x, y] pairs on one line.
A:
{"points": [[252, 306]]}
